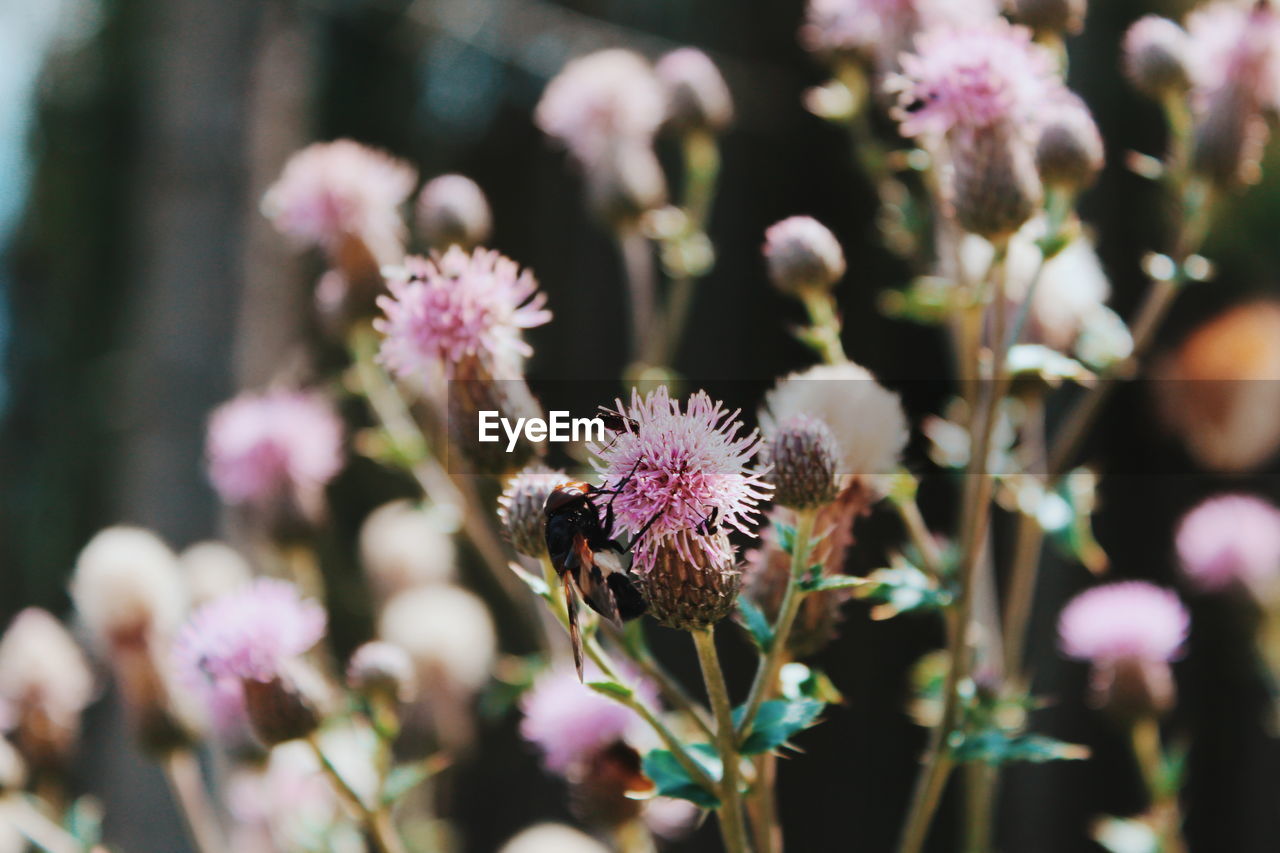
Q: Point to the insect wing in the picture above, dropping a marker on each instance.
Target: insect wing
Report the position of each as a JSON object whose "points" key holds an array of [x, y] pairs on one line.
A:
{"points": [[575, 633]]}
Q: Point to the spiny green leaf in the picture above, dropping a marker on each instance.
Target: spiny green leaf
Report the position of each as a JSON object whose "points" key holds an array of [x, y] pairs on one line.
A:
{"points": [[776, 721], [995, 746], [900, 588], [535, 583], [753, 619], [786, 536], [670, 777], [798, 681]]}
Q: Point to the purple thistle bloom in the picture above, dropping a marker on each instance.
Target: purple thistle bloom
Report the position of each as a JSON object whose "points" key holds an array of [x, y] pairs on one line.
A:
{"points": [[456, 308], [569, 721], [968, 80], [271, 445], [1131, 620], [250, 634], [683, 465], [329, 191], [600, 102], [1230, 539], [880, 29], [1235, 44]]}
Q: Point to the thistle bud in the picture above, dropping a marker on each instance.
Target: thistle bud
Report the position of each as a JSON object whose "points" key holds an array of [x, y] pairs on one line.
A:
{"points": [[283, 708], [126, 587], [1069, 153], [804, 455], [520, 508], [802, 254], [697, 97], [1132, 688], [994, 187], [452, 211], [625, 183], [1156, 57], [472, 391], [1229, 139], [687, 587], [1051, 16], [381, 669]]}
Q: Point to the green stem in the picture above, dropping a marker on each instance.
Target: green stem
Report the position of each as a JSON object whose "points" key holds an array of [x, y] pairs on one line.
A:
{"points": [[637, 262], [771, 663], [377, 822], [824, 326], [34, 825], [732, 826], [183, 774], [1144, 736]]}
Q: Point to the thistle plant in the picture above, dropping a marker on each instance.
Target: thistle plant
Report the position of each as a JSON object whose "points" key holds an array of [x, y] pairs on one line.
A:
{"points": [[354, 655]]}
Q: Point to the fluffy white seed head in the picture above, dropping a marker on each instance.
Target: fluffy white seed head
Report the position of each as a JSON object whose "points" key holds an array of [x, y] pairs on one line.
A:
{"points": [[403, 546], [211, 570], [552, 838], [446, 630], [126, 586]]}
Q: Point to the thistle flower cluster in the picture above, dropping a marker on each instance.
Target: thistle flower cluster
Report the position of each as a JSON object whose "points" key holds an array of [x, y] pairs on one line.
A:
{"points": [[877, 31], [459, 309]]}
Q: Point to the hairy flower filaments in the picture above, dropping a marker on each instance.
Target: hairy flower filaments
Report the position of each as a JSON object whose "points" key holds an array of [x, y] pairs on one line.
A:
{"points": [[675, 467], [238, 653], [1231, 539], [459, 308]]}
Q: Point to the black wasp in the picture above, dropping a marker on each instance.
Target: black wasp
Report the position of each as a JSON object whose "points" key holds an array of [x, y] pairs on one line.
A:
{"points": [[588, 559]]}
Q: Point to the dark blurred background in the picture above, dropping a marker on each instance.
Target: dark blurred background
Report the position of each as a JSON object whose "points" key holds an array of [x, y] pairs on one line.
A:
{"points": [[141, 287]]}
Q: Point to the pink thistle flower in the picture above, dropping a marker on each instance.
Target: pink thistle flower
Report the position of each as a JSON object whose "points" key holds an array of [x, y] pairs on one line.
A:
{"points": [[569, 722], [967, 80], [1233, 43], [457, 308], [599, 101], [682, 466], [1230, 539], [278, 444], [1131, 620], [329, 191], [880, 29], [251, 634]]}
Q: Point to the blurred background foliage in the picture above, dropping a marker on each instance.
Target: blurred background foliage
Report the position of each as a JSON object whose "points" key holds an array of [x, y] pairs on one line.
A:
{"points": [[141, 287]]}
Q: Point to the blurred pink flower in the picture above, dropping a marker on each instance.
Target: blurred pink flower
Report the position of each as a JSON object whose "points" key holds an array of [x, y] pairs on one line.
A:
{"points": [[599, 101], [1230, 538], [882, 28], [569, 721], [1124, 621], [332, 190], [459, 307], [1236, 43], [276, 444], [251, 633], [970, 79], [683, 465]]}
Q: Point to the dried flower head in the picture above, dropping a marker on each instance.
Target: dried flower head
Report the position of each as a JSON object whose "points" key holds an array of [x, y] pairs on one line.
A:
{"points": [[692, 580], [802, 254], [803, 456], [601, 100], [568, 721], [878, 31], [676, 465], [447, 632], [697, 96], [459, 308], [865, 419], [1157, 57], [1069, 153], [403, 546], [1219, 393], [1231, 539], [331, 191], [452, 211], [1129, 619], [275, 451], [378, 668], [552, 838], [252, 635], [211, 570], [521, 504], [44, 683], [994, 187], [126, 588]]}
